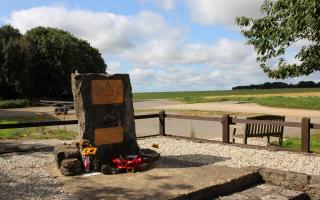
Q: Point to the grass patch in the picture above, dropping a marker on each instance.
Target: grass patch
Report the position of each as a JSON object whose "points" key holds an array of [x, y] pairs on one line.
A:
{"points": [[60, 134], [312, 103], [295, 143], [14, 103], [278, 98], [181, 95], [10, 133], [34, 132]]}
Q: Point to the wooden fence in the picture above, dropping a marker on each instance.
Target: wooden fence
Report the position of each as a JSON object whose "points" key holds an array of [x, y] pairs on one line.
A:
{"points": [[225, 120]]}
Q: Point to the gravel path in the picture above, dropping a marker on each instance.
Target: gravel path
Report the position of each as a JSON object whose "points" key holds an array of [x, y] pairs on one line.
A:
{"points": [[226, 155], [24, 176]]}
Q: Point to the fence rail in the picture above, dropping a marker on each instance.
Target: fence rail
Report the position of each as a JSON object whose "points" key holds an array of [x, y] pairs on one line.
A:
{"points": [[225, 120]]}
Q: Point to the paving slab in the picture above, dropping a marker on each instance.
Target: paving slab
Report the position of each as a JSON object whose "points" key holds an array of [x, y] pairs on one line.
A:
{"points": [[267, 192], [166, 179]]}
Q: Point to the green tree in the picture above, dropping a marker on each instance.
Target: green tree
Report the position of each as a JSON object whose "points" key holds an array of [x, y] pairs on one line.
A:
{"points": [[53, 55], [12, 63], [282, 24], [39, 63]]}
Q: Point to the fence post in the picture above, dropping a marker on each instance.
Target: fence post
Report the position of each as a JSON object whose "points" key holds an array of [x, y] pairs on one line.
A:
{"points": [[162, 123], [225, 128], [305, 134]]}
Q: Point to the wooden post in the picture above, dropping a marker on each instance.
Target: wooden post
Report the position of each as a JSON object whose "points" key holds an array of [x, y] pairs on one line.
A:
{"points": [[225, 128], [305, 134], [162, 123]]}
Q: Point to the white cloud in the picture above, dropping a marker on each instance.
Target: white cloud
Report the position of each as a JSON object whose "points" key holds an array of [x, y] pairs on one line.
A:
{"points": [[157, 52], [114, 67], [164, 4], [222, 12], [141, 75], [168, 53], [109, 32]]}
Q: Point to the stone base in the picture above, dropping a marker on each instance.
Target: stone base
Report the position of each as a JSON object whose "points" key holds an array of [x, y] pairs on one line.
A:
{"points": [[65, 151], [71, 167]]}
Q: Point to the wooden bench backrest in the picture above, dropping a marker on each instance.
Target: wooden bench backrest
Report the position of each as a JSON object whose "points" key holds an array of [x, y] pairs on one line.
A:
{"points": [[260, 130]]}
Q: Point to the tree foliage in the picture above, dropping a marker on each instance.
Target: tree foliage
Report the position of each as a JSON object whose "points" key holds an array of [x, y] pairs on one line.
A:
{"points": [[276, 85], [46, 58], [12, 62], [283, 23]]}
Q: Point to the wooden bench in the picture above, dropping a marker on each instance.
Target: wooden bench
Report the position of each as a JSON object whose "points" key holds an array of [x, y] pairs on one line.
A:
{"points": [[263, 130]]}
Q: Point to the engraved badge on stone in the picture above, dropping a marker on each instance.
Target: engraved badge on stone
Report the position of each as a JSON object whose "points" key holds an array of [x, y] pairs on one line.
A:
{"points": [[108, 135], [107, 92]]}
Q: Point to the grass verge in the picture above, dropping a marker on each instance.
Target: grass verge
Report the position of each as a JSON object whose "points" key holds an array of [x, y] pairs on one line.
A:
{"points": [[34, 132], [295, 143], [181, 95], [266, 97], [311, 103], [14, 103]]}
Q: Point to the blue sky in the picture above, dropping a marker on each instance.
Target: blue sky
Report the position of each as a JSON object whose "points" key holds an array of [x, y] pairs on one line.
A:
{"points": [[165, 45]]}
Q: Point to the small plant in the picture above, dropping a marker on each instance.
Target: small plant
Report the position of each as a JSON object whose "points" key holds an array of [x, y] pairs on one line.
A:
{"points": [[192, 131]]}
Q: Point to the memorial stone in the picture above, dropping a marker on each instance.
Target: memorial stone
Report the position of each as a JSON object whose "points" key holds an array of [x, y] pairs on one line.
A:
{"points": [[104, 109]]}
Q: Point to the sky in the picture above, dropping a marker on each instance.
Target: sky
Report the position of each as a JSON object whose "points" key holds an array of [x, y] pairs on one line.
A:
{"points": [[164, 45]]}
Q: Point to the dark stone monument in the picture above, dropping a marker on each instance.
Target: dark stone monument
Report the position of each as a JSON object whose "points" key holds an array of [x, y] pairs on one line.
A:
{"points": [[104, 109]]}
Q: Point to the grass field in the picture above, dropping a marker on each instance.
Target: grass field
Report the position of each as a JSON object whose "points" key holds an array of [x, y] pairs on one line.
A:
{"points": [[180, 95], [34, 133], [303, 98], [14, 103]]}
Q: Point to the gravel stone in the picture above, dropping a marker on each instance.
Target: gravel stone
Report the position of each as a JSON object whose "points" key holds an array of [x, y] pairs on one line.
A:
{"points": [[231, 156], [24, 177]]}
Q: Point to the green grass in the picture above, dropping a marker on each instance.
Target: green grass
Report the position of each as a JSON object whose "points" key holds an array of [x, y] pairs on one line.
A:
{"points": [[14, 103], [312, 103], [181, 95], [34, 133], [243, 96], [10, 133], [295, 143]]}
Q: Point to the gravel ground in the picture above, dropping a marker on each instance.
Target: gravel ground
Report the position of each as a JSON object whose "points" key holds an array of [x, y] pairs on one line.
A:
{"points": [[226, 155], [24, 176]]}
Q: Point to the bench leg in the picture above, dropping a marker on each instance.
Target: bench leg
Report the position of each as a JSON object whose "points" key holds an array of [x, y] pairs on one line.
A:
{"points": [[245, 140], [234, 135], [280, 141]]}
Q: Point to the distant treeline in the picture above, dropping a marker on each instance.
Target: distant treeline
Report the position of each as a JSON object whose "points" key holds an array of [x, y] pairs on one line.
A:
{"points": [[268, 85]]}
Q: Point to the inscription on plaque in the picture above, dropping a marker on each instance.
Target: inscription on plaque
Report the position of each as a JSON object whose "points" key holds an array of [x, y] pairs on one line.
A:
{"points": [[107, 92], [108, 135]]}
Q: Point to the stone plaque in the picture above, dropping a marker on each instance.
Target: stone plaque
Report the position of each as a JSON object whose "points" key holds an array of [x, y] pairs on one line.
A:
{"points": [[108, 135], [107, 92]]}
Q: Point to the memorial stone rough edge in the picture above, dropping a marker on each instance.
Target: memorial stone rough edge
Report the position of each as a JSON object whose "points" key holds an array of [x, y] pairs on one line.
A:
{"points": [[104, 110]]}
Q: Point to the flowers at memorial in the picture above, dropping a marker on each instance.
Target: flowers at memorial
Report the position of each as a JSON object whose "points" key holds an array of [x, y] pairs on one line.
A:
{"points": [[89, 151]]}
